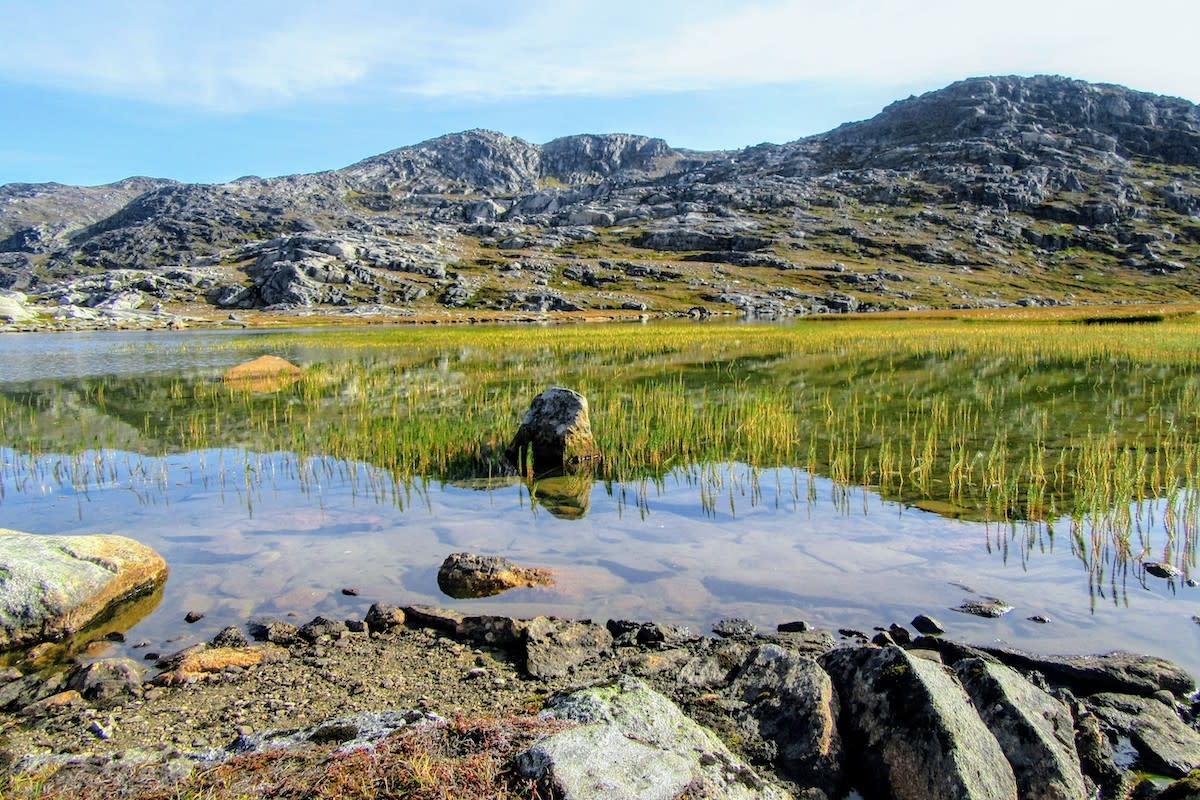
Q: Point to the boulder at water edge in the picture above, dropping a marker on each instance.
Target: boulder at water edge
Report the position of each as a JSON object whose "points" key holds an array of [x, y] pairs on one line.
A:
{"points": [[556, 431], [54, 586]]}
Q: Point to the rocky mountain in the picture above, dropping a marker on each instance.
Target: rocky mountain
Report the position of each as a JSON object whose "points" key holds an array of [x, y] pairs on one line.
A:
{"points": [[989, 192]]}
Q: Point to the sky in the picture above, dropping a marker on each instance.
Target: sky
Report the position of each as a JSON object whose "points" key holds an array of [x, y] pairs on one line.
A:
{"points": [[95, 91]]}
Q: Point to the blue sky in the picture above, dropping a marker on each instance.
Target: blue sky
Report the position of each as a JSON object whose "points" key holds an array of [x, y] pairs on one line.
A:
{"points": [[97, 91]]}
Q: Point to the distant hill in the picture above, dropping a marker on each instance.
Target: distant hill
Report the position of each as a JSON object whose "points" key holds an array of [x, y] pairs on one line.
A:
{"points": [[989, 192]]}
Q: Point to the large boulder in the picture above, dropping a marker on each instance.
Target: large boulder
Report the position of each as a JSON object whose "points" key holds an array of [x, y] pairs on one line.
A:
{"points": [[556, 431], [632, 743], [54, 586], [1126, 673], [913, 729], [1034, 730], [787, 707]]}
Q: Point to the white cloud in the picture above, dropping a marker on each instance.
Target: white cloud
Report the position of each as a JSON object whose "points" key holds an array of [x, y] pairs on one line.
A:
{"points": [[231, 56]]}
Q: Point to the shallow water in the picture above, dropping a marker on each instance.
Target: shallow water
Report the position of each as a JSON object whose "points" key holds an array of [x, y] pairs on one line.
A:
{"points": [[249, 533]]}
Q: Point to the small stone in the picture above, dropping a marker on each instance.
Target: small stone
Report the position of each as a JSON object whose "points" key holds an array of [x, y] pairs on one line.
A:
{"points": [[1039, 619], [853, 633], [230, 636], [883, 639], [100, 731], [115, 636], [350, 592], [476, 672], [192, 617], [1192, 583], [1161, 569], [923, 623], [797, 626]]}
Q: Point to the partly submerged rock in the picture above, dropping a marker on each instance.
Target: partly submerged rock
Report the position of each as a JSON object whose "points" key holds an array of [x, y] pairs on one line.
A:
{"points": [[54, 586], [632, 743], [913, 730], [263, 374], [555, 434], [1034, 730], [983, 607], [470, 575]]}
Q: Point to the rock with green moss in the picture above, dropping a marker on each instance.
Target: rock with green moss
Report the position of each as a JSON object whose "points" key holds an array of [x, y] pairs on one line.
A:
{"points": [[1034, 730], [911, 729], [632, 743], [54, 586]]}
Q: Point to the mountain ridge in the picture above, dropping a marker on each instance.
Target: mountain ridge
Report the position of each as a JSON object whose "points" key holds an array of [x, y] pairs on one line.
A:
{"points": [[991, 191]]}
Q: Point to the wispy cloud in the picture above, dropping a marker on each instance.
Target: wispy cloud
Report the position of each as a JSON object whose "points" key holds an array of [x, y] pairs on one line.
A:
{"points": [[235, 56]]}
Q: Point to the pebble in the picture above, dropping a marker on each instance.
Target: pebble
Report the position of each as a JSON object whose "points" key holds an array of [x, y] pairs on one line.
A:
{"points": [[923, 623], [99, 730], [192, 616], [1039, 619], [350, 592]]}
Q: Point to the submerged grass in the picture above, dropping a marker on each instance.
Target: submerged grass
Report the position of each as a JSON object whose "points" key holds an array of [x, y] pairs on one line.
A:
{"points": [[1006, 420]]}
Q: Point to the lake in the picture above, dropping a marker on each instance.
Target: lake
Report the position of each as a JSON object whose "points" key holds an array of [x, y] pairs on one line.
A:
{"points": [[840, 499]]}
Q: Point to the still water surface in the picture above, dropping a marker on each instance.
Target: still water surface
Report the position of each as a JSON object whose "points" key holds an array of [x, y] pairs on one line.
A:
{"points": [[249, 533]]}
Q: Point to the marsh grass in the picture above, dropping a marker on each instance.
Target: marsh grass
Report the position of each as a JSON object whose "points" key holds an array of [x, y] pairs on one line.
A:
{"points": [[1016, 422]]}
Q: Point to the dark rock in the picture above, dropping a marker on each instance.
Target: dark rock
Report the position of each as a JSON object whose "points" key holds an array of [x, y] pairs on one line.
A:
{"points": [[441, 619], [109, 681], [230, 636], [556, 431], [1034, 730], [925, 624], [1163, 742], [1121, 672], [798, 626], [349, 592], [554, 646], [1161, 569], [274, 631], [899, 634], [1186, 788], [734, 628], [1097, 758], [383, 617], [913, 729], [470, 575], [646, 634], [22, 692], [1039, 619], [786, 702], [322, 628], [883, 639], [192, 617]]}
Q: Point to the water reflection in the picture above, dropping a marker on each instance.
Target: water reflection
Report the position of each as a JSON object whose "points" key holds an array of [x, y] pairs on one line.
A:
{"points": [[249, 533]]}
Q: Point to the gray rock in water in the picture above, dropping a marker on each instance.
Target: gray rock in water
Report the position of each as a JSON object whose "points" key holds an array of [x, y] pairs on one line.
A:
{"points": [[914, 730], [983, 607], [634, 744], [471, 575], [554, 646], [53, 586], [1163, 742], [788, 703], [1161, 569], [1034, 730], [556, 430]]}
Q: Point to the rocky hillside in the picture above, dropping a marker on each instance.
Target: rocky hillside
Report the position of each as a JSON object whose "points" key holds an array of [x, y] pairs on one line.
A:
{"points": [[990, 192]]}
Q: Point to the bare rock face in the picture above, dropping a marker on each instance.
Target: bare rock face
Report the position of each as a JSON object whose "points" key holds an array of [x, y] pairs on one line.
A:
{"points": [[554, 646], [788, 702], [470, 575], [914, 729], [1035, 730], [54, 586], [556, 432], [632, 743], [1164, 743]]}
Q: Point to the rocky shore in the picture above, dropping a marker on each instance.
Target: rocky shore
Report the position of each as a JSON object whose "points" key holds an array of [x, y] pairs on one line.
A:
{"points": [[792, 712]]}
